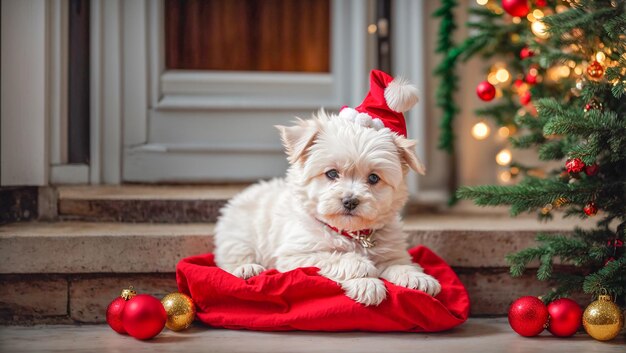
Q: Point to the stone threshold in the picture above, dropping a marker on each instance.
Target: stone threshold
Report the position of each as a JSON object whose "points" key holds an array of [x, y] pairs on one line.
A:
{"points": [[477, 335]]}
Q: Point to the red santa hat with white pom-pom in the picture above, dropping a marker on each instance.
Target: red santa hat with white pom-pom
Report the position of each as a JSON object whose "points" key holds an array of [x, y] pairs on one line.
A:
{"points": [[384, 104]]}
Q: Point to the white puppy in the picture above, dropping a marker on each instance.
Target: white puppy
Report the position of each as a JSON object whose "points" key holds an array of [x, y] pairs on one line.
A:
{"points": [[337, 210]]}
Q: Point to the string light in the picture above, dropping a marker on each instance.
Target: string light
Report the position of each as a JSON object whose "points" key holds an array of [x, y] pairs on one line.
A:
{"points": [[480, 131], [502, 75], [538, 14], [600, 56], [504, 132], [371, 29], [482, 2], [516, 20], [504, 157], [539, 29], [505, 176]]}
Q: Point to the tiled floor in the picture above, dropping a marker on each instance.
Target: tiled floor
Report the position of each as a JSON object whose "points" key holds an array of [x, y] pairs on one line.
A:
{"points": [[477, 335]]}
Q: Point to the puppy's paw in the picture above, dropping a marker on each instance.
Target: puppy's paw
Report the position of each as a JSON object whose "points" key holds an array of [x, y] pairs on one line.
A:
{"points": [[367, 291], [411, 277], [348, 266], [246, 271]]}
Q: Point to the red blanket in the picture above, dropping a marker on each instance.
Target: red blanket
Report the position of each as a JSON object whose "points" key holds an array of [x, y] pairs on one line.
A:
{"points": [[303, 300]]}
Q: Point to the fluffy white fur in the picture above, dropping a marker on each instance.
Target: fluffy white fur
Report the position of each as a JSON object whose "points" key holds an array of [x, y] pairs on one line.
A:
{"points": [[276, 224]]}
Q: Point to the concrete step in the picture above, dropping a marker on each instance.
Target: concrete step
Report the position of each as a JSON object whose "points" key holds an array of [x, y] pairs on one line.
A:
{"points": [[484, 335], [70, 271], [144, 203]]}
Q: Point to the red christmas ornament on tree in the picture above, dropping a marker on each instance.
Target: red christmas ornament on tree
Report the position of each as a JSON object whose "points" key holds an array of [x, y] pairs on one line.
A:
{"points": [[485, 91], [528, 316], [144, 317], [519, 8], [590, 209], [565, 317], [592, 170], [574, 165], [525, 98], [530, 79], [541, 3], [595, 70], [526, 53], [116, 309]]}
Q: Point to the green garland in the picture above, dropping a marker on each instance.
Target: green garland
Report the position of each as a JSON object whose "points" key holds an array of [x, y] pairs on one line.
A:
{"points": [[446, 71]]}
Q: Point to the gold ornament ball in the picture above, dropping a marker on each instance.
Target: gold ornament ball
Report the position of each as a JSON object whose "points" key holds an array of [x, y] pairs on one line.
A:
{"points": [[180, 309], [603, 320]]}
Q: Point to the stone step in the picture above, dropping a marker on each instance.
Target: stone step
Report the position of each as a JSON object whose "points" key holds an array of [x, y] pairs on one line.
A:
{"points": [[70, 271], [144, 203]]}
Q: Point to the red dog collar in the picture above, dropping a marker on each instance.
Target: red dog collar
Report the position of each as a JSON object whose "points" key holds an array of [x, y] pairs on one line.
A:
{"points": [[364, 236]]}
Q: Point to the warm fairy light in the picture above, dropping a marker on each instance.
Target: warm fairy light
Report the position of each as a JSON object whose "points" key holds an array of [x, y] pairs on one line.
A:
{"points": [[539, 29], [491, 78], [530, 17], [371, 29], [538, 14], [533, 71], [571, 64], [516, 20], [563, 71], [560, 8], [505, 176], [502, 75], [504, 157], [514, 170], [578, 70], [482, 2], [514, 37], [600, 56], [504, 132], [480, 131]]}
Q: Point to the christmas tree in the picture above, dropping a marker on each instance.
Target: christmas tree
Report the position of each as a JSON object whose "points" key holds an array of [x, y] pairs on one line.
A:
{"points": [[559, 81]]}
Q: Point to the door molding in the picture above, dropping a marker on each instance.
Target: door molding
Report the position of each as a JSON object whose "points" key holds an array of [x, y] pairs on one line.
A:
{"points": [[153, 151]]}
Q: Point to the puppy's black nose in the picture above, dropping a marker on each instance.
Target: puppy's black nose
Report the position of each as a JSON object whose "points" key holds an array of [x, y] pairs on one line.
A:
{"points": [[350, 203]]}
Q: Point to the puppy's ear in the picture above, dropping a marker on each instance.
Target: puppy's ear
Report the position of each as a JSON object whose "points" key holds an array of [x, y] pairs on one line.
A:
{"points": [[406, 148], [297, 139]]}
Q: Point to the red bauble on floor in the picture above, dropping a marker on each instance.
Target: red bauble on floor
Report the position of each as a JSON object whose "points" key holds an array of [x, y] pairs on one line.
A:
{"points": [[114, 314], [528, 316], [565, 317], [144, 317]]}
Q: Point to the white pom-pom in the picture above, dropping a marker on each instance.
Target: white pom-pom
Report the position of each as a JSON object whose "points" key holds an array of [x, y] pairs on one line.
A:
{"points": [[401, 95], [348, 113], [363, 119], [377, 124]]}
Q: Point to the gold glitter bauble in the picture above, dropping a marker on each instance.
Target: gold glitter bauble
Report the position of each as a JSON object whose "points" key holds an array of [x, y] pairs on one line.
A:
{"points": [[180, 309], [603, 320], [595, 70]]}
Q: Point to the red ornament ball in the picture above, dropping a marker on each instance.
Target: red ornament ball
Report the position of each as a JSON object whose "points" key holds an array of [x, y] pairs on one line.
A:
{"points": [[574, 165], [565, 317], [592, 170], [485, 91], [519, 8], [595, 70], [530, 78], [528, 316], [590, 209], [525, 98], [526, 53], [114, 314], [144, 317], [541, 3]]}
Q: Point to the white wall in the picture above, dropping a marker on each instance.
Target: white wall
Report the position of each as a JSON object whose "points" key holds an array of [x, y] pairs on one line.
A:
{"points": [[24, 105]]}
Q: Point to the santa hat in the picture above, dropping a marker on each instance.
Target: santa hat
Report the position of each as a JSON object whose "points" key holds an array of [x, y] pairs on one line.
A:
{"points": [[384, 104]]}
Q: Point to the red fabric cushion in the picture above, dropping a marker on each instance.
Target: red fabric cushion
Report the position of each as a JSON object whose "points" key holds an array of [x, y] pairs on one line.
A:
{"points": [[303, 300]]}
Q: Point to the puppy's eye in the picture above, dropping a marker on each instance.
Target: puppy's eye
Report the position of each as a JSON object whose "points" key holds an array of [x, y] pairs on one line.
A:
{"points": [[373, 179], [332, 174]]}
